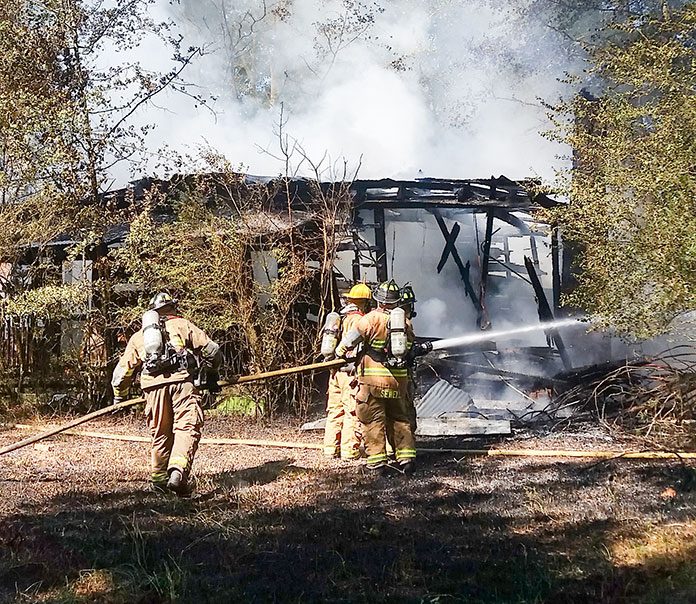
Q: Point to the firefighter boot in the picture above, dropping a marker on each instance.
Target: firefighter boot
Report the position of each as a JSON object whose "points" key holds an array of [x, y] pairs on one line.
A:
{"points": [[159, 487], [407, 467], [180, 484], [379, 470], [176, 482]]}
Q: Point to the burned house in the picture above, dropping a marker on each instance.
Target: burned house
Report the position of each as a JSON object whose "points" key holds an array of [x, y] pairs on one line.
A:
{"points": [[475, 252], [479, 259]]}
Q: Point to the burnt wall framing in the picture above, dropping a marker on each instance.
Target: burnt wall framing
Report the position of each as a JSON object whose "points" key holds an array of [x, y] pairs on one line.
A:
{"points": [[494, 198], [490, 199]]}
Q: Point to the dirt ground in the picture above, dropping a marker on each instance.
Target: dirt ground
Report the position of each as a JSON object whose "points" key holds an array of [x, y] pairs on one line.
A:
{"points": [[284, 525]]}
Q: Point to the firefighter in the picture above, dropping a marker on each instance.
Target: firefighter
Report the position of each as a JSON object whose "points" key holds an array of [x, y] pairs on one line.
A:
{"points": [[383, 378], [408, 303], [342, 435], [171, 352]]}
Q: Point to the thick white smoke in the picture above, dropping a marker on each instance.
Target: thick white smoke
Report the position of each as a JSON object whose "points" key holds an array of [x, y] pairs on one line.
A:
{"points": [[405, 87]]}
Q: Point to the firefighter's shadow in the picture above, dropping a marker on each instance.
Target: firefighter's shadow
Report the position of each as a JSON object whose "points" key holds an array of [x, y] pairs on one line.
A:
{"points": [[265, 473]]}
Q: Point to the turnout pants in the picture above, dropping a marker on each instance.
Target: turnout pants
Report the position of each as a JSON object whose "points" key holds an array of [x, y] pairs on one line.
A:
{"points": [[175, 419], [343, 433], [382, 411], [411, 409]]}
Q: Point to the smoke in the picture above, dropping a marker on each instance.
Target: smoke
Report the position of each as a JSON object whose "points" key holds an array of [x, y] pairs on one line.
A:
{"points": [[415, 244], [402, 88], [436, 319], [405, 88]]}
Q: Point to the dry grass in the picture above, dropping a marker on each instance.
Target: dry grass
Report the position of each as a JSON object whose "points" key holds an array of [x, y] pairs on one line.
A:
{"points": [[287, 526], [655, 544]]}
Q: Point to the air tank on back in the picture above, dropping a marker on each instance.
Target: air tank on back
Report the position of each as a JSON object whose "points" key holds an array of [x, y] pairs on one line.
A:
{"points": [[397, 325], [329, 339], [152, 335]]}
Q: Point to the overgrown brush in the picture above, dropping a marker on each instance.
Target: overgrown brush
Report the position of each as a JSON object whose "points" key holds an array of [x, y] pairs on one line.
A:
{"points": [[651, 397], [248, 263]]}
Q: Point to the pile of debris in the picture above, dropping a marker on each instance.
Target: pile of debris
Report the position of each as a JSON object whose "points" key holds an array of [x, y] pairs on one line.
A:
{"points": [[638, 395]]}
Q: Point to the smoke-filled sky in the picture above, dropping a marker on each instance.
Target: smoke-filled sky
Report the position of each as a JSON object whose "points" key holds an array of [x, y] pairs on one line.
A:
{"points": [[404, 87]]}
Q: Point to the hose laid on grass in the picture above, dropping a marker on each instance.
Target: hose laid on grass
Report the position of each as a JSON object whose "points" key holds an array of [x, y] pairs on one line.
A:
{"points": [[204, 441], [255, 377], [76, 422], [559, 453]]}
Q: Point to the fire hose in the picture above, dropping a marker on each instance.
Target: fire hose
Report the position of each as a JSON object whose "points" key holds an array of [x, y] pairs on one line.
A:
{"points": [[555, 453], [254, 377], [328, 365], [441, 344]]}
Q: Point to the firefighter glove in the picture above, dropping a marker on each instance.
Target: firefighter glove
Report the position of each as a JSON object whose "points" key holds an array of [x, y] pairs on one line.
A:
{"points": [[422, 348]]}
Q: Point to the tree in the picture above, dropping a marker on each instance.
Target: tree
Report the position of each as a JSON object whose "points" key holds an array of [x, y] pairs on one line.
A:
{"points": [[38, 163], [633, 184], [66, 119]]}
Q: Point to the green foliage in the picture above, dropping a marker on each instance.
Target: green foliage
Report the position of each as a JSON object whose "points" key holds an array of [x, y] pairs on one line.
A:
{"points": [[240, 405], [40, 173], [199, 257], [65, 121], [631, 210], [50, 302], [206, 259], [66, 118]]}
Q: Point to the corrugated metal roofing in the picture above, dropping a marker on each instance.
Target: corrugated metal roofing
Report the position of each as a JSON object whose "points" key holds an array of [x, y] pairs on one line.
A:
{"points": [[443, 398]]}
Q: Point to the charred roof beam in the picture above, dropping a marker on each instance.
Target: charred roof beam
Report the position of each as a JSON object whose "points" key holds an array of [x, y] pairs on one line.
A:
{"points": [[450, 249], [545, 313]]}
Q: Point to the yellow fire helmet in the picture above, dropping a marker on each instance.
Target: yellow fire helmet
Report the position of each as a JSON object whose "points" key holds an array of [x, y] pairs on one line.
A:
{"points": [[161, 300], [387, 293], [359, 291]]}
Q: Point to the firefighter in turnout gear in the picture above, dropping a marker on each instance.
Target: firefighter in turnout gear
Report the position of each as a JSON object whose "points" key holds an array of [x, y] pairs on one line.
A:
{"points": [[408, 303], [343, 433], [383, 377], [170, 351]]}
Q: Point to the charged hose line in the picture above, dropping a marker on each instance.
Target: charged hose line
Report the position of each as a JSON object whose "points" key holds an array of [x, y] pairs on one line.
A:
{"points": [[484, 336], [438, 345], [136, 401], [76, 422]]}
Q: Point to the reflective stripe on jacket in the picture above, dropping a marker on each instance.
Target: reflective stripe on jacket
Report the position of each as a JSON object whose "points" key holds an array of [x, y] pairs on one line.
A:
{"points": [[374, 327]]}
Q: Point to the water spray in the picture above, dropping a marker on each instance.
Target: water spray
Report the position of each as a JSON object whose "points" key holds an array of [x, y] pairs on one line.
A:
{"points": [[484, 336]]}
